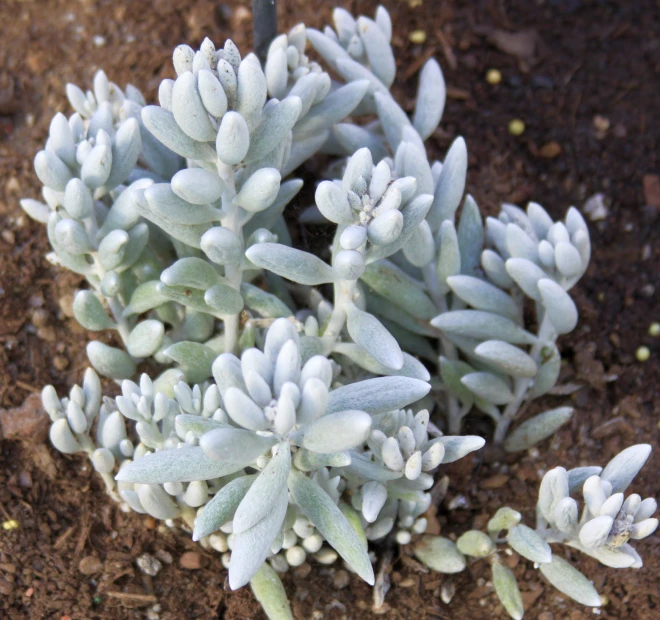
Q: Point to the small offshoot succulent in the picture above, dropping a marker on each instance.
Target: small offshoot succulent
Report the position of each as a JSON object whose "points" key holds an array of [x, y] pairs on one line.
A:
{"points": [[288, 405], [608, 521]]}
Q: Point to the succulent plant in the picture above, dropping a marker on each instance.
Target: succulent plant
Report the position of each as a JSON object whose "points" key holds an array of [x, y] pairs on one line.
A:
{"points": [[607, 523], [265, 454], [292, 413]]}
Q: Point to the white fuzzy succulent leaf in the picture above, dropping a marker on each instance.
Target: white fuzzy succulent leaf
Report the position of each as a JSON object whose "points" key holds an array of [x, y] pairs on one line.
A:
{"points": [[507, 590], [482, 326], [529, 544], [291, 263], [180, 465], [537, 429], [367, 331], [431, 96], [623, 468], [268, 590], [252, 546], [377, 395], [319, 508], [263, 493], [570, 582], [109, 361]]}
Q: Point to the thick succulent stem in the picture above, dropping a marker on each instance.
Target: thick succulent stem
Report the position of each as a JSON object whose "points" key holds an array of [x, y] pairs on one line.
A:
{"points": [[122, 324], [344, 292], [233, 273], [455, 413], [546, 334], [89, 447]]}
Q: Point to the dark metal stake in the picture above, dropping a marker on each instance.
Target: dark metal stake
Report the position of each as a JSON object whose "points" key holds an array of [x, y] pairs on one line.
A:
{"points": [[264, 14]]}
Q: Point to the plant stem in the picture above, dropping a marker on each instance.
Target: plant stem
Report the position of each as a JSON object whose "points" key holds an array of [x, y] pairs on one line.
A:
{"points": [[115, 305], [264, 14], [455, 413], [122, 325], [233, 273], [89, 448], [545, 335], [344, 293]]}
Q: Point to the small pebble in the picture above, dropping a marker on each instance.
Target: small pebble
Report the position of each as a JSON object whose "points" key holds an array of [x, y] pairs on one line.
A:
{"points": [[60, 362], [98, 40], [493, 76], [36, 301], [164, 556], [66, 304], [341, 579], [601, 125], [647, 290], [447, 592], [46, 333], [596, 208], [242, 14], [408, 582], [654, 330], [90, 565], [191, 560], [417, 36], [148, 564], [40, 317], [302, 571], [150, 523], [9, 237], [643, 354], [13, 185], [516, 127]]}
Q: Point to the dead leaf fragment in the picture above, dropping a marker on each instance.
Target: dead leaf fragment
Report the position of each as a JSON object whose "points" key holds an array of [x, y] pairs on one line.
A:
{"points": [[651, 184], [521, 44], [29, 421]]}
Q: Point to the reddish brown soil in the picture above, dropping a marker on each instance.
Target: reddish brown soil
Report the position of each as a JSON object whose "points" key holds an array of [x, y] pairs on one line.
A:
{"points": [[591, 57]]}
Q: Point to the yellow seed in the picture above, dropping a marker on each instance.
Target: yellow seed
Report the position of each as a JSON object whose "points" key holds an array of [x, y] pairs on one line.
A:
{"points": [[493, 76], [516, 127], [642, 354], [654, 330], [10, 525], [417, 36]]}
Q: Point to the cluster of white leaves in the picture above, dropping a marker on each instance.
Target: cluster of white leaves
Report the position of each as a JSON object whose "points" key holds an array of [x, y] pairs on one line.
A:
{"points": [[400, 445], [529, 256], [425, 275], [609, 519], [261, 458]]}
